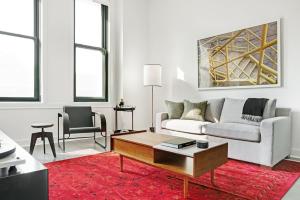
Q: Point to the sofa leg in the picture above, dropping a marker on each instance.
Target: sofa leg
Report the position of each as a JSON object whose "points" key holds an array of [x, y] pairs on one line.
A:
{"points": [[266, 167]]}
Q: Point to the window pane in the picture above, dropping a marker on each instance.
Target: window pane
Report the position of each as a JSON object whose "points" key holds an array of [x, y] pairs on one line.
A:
{"points": [[16, 67], [17, 16], [88, 28], [89, 73]]}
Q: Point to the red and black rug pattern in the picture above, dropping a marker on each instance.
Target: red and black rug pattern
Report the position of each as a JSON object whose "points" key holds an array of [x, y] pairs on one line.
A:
{"points": [[99, 177]]}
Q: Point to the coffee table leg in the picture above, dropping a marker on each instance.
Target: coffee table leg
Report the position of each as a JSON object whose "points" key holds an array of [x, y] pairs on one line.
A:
{"points": [[185, 187], [212, 176], [121, 163]]}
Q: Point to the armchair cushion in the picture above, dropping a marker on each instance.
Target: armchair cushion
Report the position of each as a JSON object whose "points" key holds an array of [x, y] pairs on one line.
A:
{"points": [[85, 130], [79, 116]]}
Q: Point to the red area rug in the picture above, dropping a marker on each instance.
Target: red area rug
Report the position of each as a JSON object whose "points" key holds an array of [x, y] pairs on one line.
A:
{"points": [[98, 177]]}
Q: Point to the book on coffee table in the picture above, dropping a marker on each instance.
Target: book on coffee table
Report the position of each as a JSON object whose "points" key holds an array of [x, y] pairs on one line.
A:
{"points": [[178, 143]]}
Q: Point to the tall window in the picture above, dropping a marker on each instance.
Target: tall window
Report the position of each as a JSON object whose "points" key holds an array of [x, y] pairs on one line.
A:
{"points": [[19, 50], [91, 59]]}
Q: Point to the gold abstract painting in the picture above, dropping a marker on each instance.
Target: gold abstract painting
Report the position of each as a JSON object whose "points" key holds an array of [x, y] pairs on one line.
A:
{"points": [[244, 58]]}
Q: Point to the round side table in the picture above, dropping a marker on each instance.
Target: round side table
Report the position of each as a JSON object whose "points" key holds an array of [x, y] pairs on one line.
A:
{"points": [[42, 134]]}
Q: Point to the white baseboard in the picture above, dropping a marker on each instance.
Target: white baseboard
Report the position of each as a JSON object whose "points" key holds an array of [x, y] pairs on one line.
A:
{"points": [[295, 153]]}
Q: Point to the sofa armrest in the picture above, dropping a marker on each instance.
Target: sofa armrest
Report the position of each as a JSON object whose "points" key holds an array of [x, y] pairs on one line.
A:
{"points": [[162, 116], [272, 126], [159, 118], [276, 137]]}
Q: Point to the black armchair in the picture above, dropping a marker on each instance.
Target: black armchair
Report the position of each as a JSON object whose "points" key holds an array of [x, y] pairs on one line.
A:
{"points": [[81, 119]]}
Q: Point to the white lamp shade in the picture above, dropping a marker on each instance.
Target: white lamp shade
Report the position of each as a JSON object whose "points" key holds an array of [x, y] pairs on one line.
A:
{"points": [[152, 75]]}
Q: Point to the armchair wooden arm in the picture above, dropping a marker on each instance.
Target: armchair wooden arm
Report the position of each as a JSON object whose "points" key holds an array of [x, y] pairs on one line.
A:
{"points": [[102, 120]]}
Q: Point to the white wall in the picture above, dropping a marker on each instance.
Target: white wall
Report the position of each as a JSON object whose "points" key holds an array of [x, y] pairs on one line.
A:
{"points": [[176, 25], [57, 73], [135, 54]]}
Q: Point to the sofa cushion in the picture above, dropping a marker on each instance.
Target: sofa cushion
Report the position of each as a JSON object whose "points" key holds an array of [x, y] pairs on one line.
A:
{"points": [[214, 109], [194, 111], [233, 109], [233, 131], [187, 126], [175, 109]]}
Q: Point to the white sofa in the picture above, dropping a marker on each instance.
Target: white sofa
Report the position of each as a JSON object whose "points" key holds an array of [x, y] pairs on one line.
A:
{"points": [[265, 143]]}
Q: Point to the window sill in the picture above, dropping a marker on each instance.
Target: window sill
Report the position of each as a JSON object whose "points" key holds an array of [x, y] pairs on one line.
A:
{"points": [[40, 105]]}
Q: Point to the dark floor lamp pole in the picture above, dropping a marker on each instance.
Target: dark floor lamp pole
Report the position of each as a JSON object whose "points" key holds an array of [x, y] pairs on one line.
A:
{"points": [[152, 77]]}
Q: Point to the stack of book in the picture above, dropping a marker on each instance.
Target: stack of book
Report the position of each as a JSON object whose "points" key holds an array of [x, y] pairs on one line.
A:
{"points": [[179, 143]]}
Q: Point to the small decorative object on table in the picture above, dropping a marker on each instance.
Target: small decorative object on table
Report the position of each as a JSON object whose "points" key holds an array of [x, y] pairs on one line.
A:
{"points": [[121, 104], [203, 144]]}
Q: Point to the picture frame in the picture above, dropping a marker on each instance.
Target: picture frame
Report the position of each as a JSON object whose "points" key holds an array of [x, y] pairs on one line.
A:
{"points": [[244, 58]]}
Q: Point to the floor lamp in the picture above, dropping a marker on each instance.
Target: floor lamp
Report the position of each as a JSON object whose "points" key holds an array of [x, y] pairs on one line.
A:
{"points": [[152, 77]]}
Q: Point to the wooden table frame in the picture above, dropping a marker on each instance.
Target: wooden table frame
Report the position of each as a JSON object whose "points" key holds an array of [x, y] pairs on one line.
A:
{"points": [[139, 147], [185, 178]]}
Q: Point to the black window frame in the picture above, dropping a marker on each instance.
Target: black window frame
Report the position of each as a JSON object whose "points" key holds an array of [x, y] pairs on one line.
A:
{"points": [[36, 40], [103, 50]]}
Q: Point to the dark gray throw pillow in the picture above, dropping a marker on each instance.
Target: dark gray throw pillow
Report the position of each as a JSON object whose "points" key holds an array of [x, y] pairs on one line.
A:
{"points": [[270, 109], [175, 109], [214, 110], [194, 111]]}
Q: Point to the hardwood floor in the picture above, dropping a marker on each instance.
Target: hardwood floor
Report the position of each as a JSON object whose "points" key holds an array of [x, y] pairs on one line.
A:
{"points": [[75, 148]]}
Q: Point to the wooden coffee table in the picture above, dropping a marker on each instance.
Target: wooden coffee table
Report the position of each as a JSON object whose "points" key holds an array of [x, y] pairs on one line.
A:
{"points": [[191, 162]]}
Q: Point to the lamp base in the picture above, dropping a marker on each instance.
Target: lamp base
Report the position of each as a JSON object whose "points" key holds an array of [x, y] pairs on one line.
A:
{"points": [[152, 129]]}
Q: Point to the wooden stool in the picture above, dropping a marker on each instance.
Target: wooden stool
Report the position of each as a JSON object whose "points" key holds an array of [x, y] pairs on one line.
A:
{"points": [[42, 135]]}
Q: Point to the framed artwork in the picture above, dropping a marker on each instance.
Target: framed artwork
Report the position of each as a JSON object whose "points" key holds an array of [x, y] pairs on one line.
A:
{"points": [[246, 58]]}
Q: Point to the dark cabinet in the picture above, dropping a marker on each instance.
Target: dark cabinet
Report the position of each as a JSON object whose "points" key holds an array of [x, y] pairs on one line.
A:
{"points": [[28, 181]]}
